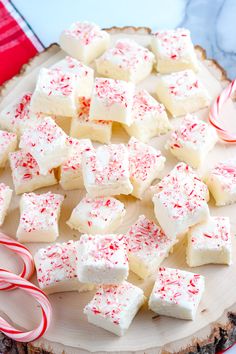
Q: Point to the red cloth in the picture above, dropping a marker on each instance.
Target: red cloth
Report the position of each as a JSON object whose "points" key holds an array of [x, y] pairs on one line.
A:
{"points": [[18, 43]]}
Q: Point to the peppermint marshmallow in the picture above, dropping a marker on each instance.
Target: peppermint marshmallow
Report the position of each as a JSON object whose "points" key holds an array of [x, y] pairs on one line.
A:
{"points": [[39, 217]]}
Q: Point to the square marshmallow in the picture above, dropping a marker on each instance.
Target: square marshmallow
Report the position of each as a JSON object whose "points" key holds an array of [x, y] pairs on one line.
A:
{"points": [[112, 100], [174, 50], [8, 143], [221, 181], [182, 92], [71, 171], [114, 307], [180, 201], [101, 215], [102, 259], [127, 60], [145, 165], [83, 127], [177, 293], [192, 140], [55, 93], [84, 41], [47, 143], [39, 217], [83, 74], [26, 175], [209, 242], [5, 200], [56, 268], [149, 117], [18, 116], [148, 246], [106, 171]]}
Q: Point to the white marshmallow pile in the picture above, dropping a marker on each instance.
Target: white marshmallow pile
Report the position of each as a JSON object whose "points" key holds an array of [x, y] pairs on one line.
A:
{"points": [[101, 259]]}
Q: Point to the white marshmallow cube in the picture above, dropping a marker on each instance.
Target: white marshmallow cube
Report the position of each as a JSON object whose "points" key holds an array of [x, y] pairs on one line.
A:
{"points": [[149, 117], [174, 50], [5, 200], [221, 181], [56, 268], [84, 75], [26, 175], [127, 60], [210, 242], [84, 41], [180, 201], [84, 128], [114, 307], [145, 163], [39, 216], [99, 215], [192, 140], [147, 246], [55, 93], [18, 116], [47, 143], [182, 92], [8, 143], [112, 100], [177, 293], [106, 171], [71, 171], [102, 259]]}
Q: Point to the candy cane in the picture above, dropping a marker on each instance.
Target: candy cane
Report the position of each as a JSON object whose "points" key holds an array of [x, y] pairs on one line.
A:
{"points": [[215, 110], [25, 255], [12, 332]]}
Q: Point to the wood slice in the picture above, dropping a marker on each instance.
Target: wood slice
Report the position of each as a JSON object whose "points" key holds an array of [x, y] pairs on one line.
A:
{"points": [[70, 333]]}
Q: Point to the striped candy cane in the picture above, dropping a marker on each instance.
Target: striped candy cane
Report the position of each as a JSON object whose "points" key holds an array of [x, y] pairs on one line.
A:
{"points": [[23, 253], [20, 336], [214, 114]]}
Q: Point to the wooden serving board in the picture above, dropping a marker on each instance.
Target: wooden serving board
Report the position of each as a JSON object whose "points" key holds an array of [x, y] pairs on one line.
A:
{"points": [[70, 333]]}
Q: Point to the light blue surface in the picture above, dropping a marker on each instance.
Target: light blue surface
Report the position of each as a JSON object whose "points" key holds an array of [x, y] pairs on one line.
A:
{"points": [[57, 15], [212, 22]]}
